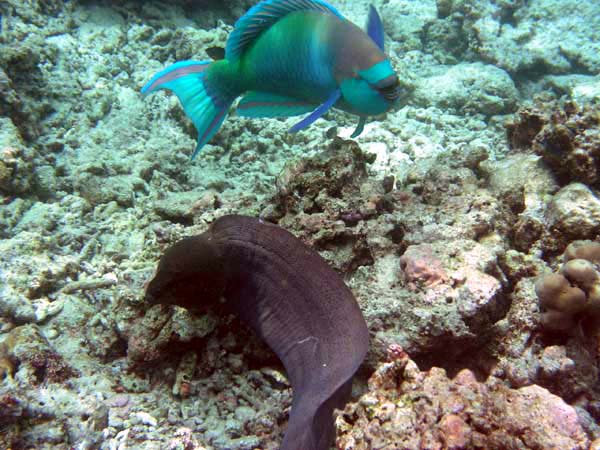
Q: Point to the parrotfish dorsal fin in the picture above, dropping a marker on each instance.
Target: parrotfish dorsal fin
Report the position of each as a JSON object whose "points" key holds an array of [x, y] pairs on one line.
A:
{"points": [[375, 27], [262, 16]]}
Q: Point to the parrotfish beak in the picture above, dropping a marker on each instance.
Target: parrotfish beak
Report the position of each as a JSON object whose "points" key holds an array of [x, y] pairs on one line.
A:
{"points": [[390, 88]]}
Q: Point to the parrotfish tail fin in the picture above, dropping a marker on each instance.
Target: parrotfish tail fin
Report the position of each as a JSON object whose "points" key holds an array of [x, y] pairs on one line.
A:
{"points": [[322, 109], [202, 102], [375, 27]]}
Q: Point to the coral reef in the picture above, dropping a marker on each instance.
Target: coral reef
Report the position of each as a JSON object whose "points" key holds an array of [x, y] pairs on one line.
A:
{"points": [[16, 167], [420, 267], [572, 213], [26, 348], [469, 88], [148, 337], [439, 217], [518, 36], [575, 291], [326, 199], [413, 409], [567, 137]]}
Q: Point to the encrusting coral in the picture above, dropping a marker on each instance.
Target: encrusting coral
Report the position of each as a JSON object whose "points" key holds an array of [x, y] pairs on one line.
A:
{"points": [[567, 138], [421, 268], [407, 408], [573, 292], [26, 348]]}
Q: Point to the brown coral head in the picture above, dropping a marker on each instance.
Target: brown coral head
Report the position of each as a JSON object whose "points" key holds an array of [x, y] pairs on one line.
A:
{"points": [[581, 273], [593, 304], [588, 250], [521, 133], [555, 293], [557, 321]]}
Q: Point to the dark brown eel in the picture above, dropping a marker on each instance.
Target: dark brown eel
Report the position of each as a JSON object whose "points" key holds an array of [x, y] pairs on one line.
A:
{"points": [[290, 297]]}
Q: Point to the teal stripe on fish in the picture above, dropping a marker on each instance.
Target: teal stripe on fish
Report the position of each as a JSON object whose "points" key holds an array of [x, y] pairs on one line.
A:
{"points": [[358, 92], [167, 78], [377, 72], [264, 104]]}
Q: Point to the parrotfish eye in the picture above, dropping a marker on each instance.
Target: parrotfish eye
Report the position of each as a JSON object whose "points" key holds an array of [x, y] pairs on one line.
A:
{"points": [[389, 88]]}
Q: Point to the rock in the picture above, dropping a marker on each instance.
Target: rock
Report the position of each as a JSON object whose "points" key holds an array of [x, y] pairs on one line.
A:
{"points": [[521, 174], [181, 207], [431, 410], [99, 189], [35, 358], [524, 183], [449, 303], [566, 136], [405, 22], [420, 267], [16, 167], [184, 374], [161, 326], [583, 89], [10, 102], [527, 36], [18, 308], [575, 212], [144, 418], [469, 88]]}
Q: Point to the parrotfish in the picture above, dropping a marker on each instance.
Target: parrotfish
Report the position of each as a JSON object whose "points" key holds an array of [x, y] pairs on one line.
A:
{"points": [[286, 58]]}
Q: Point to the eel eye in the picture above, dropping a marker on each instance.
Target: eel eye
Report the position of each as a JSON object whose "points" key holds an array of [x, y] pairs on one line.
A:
{"points": [[391, 90]]}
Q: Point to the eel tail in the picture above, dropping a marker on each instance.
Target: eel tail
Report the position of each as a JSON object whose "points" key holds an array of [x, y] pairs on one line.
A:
{"points": [[205, 99]]}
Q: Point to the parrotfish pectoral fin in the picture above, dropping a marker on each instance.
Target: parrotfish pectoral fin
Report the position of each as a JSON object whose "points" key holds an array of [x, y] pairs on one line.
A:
{"points": [[203, 104], [262, 16], [359, 127], [322, 109], [375, 27], [264, 104]]}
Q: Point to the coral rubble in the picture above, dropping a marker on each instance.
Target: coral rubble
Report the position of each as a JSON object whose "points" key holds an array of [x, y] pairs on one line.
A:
{"points": [[566, 137], [409, 408]]}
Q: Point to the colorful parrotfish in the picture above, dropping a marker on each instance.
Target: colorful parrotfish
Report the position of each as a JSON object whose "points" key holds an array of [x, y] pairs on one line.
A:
{"points": [[287, 57]]}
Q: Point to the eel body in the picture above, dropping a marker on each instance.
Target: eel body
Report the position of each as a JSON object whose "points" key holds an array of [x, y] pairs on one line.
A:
{"points": [[290, 297]]}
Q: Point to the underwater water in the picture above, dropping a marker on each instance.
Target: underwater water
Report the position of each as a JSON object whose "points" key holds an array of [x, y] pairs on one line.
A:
{"points": [[464, 219]]}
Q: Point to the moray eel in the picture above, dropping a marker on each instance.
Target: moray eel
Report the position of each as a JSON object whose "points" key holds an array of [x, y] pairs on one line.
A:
{"points": [[290, 297]]}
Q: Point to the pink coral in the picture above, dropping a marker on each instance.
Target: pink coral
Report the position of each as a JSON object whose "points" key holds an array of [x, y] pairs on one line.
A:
{"points": [[421, 268], [406, 408]]}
